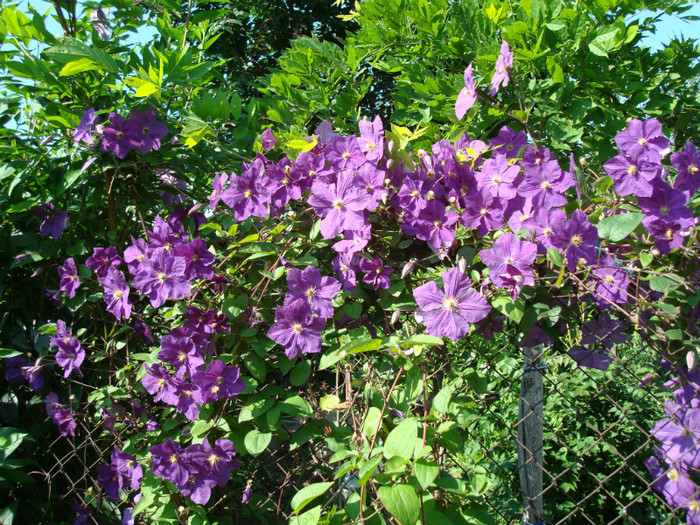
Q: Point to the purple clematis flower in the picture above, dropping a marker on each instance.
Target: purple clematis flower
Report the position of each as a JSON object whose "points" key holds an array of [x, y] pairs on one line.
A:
{"points": [[376, 273], [317, 291], [68, 274], [687, 162], [296, 329], [504, 64], [146, 130], [467, 96], [54, 221], [341, 204], [162, 277], [218, 381], [85, 131], [680, 438], [578, 236], [645, 134], [510, 263], [102, 259], [116, 294], [61, 416], [169, 462], [269, 140], [448, 313], [371, 139]]}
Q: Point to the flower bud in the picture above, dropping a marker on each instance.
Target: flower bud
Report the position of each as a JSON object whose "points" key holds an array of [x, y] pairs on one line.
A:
{"points": [[395, 317], [655, 251], [407, 268], [690, 359], [462, 265]]}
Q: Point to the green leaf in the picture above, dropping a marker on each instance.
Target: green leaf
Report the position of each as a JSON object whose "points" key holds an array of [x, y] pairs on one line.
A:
{"points": [[78, 66], [199, 428], [256, 442], [300, 373], [663, 283], [402, 502], [6, 352], [402, 440], [255, 365], [296, 406], [369, 427], [254, 408], [329, 403], [360, 345], [421, 339], [426, 472], [367, 468], [441, 401], [514, 310], [617, 227], [306, 495], [310, 517], [69, 50]]}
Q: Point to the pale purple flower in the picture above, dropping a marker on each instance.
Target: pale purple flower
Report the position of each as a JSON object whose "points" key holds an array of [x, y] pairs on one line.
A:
{"points": [[162, 277], [116, 294], [498, 177], [467, 96], [341, 205], [220, 180], [85, 131], [510, 263], [504, 64], [247, 195], [646, 134], [269, 140], [371, 139], [687, 162], [448, 313]]}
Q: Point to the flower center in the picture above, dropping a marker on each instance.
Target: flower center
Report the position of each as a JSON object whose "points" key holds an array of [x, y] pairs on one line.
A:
{"points": [[162, 277], [337, 204], [609, 279], [371, 146], [484, 211], [496, 180], [213, 459], [449, 303], [247, 194], [672, 474], [146, 131], [577, 240], [379, 270], [437, 224], [173, 459], [632, 170], [297, 328], [430, 195], [310, 292], [664, 210], [414, 193], [692, 168], [545, 185], [642, 141]]}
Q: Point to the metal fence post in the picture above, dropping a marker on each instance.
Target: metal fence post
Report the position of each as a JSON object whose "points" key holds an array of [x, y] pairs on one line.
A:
{"points": [[530, 440]]}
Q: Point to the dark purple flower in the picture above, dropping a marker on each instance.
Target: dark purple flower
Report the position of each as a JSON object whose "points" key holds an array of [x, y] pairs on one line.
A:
{"points": [[545, 184], [248, 195], [117, 137], [162, 277], [146, 129], [687, 162], [498, 177], [14, 372], [169, 463], [508, 142], [510, 263], [160, 383], [70, 353], [504, 64], [268, 140], [102, 259], [467, 96], [612, 282], [482, 211], [219, 381], [182, 353], [448, 313], [247, 494], [434, 225], [68, 274], [317, 291], [590, 357], [53, 221], [579, 237], [199, 259], [61, 416], [680, 438], [343, 268], [376, 273], [144, 331], [296, 329], [108, 478]]}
